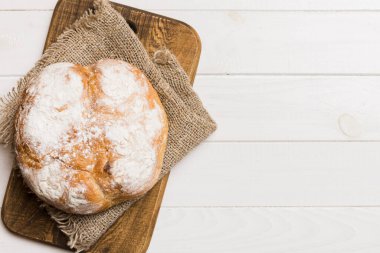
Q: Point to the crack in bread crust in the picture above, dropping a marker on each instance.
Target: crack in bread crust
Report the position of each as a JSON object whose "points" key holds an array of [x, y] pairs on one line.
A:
{"points": [[89, 137]]}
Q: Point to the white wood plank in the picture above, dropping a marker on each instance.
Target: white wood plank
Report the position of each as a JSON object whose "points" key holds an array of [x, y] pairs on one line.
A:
{"points": [[8, 241], [271, 173], [22, 39], [264, 108], [292, 108], [6, 84], [215, 4], [236, 42], [269, 230], [277, 174], [6, 156], [254, 4]]}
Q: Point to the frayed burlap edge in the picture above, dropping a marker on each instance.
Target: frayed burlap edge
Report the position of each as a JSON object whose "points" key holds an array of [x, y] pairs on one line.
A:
{"points": [[68, 227], [165, 62], [64, 220], [67, 223], [10, 103]]}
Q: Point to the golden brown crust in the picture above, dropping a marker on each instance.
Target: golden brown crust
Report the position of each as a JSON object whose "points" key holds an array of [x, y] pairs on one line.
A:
{"points": [[98, 153]]}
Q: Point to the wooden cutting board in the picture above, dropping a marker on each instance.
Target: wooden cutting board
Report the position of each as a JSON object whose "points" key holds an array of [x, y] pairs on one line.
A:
{"points": [[133, 231]]}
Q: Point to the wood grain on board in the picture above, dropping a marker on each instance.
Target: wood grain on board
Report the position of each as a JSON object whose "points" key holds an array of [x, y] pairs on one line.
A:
{"points": [[132, 232]]}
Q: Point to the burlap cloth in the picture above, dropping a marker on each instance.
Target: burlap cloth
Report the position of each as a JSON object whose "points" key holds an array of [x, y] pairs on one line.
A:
{"points": [[103, 33]]}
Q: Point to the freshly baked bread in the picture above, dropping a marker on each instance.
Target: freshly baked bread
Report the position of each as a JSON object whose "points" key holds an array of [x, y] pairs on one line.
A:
{"points": [[90, 137]]}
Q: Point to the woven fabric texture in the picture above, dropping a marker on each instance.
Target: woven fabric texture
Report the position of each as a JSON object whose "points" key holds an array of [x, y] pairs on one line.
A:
{"points": [[103, 33]]}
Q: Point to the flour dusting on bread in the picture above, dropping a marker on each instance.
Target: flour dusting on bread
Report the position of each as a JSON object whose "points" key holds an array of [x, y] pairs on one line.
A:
{"points": [[55, 108], [88, 138]]}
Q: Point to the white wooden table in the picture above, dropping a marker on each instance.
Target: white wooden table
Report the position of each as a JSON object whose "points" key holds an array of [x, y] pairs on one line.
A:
{"points": [[295, 88]]}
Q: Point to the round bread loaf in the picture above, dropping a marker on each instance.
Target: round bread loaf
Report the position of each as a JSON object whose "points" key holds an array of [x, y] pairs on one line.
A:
{"points": [[88, 138]]}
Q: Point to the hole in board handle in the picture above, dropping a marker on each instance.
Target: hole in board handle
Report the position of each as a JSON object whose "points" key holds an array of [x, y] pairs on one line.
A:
{"points": [[132, 25]]}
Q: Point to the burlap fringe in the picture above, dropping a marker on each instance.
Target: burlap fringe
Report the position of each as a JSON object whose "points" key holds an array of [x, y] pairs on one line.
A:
{"points": [[64, 220], [10, 103], [68, 227]]}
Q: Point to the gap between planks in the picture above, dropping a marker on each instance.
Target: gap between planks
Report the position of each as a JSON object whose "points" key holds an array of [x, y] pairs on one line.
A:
{"points": [[275, 43]]}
